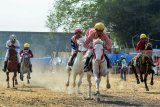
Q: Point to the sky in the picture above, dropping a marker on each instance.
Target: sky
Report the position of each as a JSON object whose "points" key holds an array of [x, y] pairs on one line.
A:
{"points": [[24, 15]]}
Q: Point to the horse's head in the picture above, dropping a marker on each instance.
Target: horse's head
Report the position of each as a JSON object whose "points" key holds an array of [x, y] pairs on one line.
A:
{"points": [[12, 52], [80, 43], [146, 60], [26, 58], [98, 50]]}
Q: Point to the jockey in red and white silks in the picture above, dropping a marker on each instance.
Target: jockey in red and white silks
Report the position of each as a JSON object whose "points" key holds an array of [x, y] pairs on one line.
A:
{"points": [[95, 33]]}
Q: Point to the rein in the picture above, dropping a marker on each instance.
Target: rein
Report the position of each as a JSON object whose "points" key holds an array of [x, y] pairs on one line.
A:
{"points": [[94, 55]]}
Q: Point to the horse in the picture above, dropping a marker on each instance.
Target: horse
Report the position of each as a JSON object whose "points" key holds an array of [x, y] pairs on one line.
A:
{"points": [[78, 64], [25, 67], [99, 67], [144, 68], [12, 64]]}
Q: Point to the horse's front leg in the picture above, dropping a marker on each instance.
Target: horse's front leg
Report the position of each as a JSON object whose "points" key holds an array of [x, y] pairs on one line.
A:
{"points": [[80, 82], [108, 84], [97, 87], [145, 82], [13, 79], [15, 74], [7, 73], [74, 79], [90, 85], [69, 73], [28, 77], [141, 76], [152, 78]]}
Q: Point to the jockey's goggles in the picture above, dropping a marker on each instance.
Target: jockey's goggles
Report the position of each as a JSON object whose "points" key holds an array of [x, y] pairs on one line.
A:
{"points": [[99, 30], [78, 33]]}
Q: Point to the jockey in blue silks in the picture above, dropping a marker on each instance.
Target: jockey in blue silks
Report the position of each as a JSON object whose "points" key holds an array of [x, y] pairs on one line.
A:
{"points": [[74, 45], [12, 42]]}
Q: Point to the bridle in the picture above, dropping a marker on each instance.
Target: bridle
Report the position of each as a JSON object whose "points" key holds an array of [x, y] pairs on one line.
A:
{"points": [[102, 56]]}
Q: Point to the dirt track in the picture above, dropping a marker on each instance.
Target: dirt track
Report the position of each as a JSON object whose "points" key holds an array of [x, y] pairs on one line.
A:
{"points": [[48, 90]]}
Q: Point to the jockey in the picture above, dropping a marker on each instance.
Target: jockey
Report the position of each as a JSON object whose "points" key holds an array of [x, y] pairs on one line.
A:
{"points": [[74, 46], [12, 41], [141, 47], [27, 51], [94, 33], [142, 43]]}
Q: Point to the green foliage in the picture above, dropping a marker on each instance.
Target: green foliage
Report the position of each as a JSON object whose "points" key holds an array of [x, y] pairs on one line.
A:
{"points": [[125, 18], [68, 14]]}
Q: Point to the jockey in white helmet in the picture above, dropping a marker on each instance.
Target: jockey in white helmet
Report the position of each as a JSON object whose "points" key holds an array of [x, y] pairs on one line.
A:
{"points": [[12, 41]]}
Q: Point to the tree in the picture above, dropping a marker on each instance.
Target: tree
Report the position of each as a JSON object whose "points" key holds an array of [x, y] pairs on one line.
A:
{"points": [[68, 14], [124, 18]]}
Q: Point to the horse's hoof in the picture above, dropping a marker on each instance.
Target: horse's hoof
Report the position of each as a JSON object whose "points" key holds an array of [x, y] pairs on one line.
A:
{"points": [[28, 82], [98, 99], [141, 80], [147, 89], [74, 85], [138, 82], [14, 88], [80, 93], [8, 86], [108, 86], [16, 83], [67, 84], [151, 83], [88, 98], [97, 93]]}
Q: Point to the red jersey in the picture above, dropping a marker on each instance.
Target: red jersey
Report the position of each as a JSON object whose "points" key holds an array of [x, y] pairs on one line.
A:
{"points": [[74, 38], [89, 31], [26, 52], [140, 46]]}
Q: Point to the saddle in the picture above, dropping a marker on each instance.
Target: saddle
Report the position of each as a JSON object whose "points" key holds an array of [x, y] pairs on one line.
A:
{"points": [[141, 60]]}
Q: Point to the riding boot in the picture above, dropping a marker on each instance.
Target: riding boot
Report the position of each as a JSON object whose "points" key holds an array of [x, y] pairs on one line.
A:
{"points": [[18, 67], [86, 64], [70, 62], [30, 67], [5, 66], [108, 62]]}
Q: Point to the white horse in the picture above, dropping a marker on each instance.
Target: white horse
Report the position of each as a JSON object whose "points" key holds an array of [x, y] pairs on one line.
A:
{"points": [[25, 67], [78, 64], [99, 67]]}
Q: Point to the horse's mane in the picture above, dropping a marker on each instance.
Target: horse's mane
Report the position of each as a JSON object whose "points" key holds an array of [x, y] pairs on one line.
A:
{"points": [[148, 46], [97, 41]]}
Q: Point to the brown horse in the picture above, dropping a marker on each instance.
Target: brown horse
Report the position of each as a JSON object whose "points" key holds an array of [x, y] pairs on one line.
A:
{"points": [[12, 64], [144, 67]]}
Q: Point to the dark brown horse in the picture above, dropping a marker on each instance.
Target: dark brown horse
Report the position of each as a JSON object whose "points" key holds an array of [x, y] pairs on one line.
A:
{"points": [[144, 67], [12, 64]]}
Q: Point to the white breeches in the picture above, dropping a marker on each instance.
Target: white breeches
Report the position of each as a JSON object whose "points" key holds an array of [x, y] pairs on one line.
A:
{"points": [[73, 51]]}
